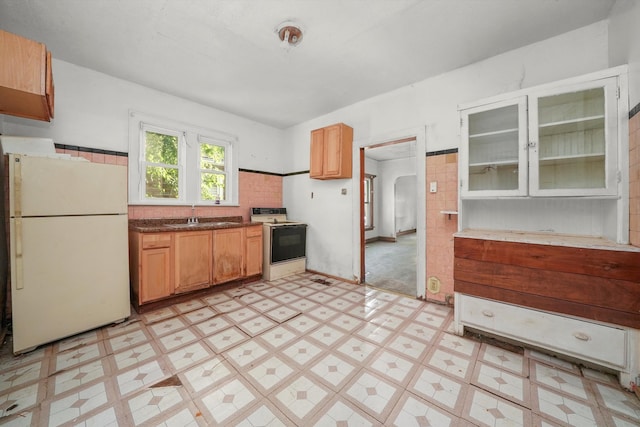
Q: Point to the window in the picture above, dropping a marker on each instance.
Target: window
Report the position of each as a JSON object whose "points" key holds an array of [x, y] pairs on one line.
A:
{"points": [[161, 165], [368, 201], [213, 171], [171, 163]]}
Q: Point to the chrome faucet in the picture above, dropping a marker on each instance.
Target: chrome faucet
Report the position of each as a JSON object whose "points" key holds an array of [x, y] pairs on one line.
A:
{"points": [[193, 219]]}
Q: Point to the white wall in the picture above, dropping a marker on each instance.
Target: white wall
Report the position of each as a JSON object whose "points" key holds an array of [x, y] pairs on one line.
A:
{"points": [[91, 110], [333, 238], [389, 172], [624, 43], [405, 203]]}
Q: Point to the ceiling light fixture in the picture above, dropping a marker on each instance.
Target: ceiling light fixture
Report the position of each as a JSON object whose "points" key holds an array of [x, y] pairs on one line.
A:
{"points": [[290, 34]]}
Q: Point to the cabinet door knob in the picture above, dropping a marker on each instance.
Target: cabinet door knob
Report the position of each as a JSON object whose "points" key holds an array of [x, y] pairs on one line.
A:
{"points": [[487, 313], [581, 336]]}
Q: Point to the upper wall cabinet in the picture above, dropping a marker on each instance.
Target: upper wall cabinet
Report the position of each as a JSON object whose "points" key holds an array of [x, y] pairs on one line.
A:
{"points": [[26, 78], [558, 141], [331, 154]]}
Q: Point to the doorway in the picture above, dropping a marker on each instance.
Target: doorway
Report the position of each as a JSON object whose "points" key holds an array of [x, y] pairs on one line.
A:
{"points": [[389, 216]]}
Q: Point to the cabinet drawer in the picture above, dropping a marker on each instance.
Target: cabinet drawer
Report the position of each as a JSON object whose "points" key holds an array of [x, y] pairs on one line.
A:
{"points": [[601, 344], [160, 240], [253, 231]]}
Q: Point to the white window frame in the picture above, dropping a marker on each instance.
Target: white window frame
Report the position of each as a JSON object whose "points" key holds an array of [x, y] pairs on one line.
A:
{"points": [[144, 127], [188, 161], [228, 161], [369, 200]]}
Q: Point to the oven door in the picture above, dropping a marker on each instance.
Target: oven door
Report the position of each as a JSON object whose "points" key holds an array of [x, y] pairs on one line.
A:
{"points": [[288, 242]]}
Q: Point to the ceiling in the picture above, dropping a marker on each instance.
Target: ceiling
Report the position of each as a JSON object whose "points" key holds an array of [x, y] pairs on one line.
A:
{"points": [[226, 54]]}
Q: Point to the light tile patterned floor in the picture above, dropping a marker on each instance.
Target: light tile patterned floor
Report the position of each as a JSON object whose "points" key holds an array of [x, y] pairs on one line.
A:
{"points": [[296, 352]]}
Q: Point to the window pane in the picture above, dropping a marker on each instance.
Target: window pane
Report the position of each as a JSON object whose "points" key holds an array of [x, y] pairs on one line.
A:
{"points": [[212, 186], [368, 201], [572, 144], [212, 157], [494, 137], [366, 189], [161, 148], [162, 182]]}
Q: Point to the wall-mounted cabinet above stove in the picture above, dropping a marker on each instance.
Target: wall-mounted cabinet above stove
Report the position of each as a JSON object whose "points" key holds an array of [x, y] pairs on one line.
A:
{"points": [[331, 154]]}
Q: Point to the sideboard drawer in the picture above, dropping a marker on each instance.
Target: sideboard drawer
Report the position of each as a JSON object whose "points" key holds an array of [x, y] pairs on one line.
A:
{"points": [[582, 339]]}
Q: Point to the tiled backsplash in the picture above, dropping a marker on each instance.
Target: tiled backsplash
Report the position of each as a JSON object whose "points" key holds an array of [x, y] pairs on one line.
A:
{"points": [[255, 190], [442, 168]]}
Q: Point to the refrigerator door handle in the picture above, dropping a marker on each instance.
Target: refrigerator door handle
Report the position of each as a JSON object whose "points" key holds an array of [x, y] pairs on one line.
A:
{"points": [[18, 253], [17, 186]]}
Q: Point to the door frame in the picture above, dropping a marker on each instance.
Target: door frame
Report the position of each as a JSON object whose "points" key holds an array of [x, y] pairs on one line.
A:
{"points": [[419, 134]]}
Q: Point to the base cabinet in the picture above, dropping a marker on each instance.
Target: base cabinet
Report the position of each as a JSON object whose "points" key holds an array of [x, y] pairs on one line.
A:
{"points": [[228, 247], [193, 260], [573, 296], [165, 264], [253, 251], [155, 274], [151, 266]]}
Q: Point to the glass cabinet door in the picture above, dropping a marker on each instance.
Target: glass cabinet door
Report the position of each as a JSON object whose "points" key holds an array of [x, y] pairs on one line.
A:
{"points": [[569, 150], [494, 157]]}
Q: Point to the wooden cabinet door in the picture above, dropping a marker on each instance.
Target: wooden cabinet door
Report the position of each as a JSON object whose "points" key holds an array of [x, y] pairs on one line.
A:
{"points": [[49, 88], [317, 153], [26, 81], [192, 260], [228, 254], [253, 251], [332, 151], [155, 274], [331, 154]]}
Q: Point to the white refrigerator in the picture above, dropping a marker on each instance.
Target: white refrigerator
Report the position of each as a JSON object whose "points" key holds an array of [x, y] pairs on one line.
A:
{"points": [[68, 247]]}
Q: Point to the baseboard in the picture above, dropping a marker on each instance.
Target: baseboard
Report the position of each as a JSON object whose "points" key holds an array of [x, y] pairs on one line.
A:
{"points": [[389, 239], [342, 279], [402, 233]]}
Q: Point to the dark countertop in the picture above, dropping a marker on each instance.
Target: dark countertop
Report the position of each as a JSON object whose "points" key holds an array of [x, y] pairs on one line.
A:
{"points": [[162, 225]]}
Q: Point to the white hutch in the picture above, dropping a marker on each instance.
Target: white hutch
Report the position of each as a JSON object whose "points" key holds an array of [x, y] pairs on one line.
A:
{"points": [[542, 254]]}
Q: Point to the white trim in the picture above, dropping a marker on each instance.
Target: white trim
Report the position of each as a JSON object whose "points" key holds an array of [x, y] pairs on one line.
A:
{"points": [[190, 184], [421, 238]]}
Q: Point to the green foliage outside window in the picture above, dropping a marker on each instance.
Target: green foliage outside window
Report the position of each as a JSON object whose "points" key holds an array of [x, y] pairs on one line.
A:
{"points": [[212, 172], [161, 155]]}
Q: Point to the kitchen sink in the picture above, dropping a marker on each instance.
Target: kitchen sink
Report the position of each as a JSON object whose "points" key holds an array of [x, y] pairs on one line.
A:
{"points": [[200, 224]]}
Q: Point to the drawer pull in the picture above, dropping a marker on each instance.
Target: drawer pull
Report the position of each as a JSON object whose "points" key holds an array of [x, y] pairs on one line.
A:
{"points": [[487, 313], [581, 336]]}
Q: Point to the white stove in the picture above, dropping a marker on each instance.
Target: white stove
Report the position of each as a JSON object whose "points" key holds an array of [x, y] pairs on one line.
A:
{"points": [[284, 243]]}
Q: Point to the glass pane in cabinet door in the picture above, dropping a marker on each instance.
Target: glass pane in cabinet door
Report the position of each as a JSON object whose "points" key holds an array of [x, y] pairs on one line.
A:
{"points": [[571, 130], [493, 149]]}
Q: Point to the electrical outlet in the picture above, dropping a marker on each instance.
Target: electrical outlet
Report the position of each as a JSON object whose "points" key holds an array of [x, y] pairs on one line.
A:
{"points": [[433, 285], [343, 192], [433, 187]]}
